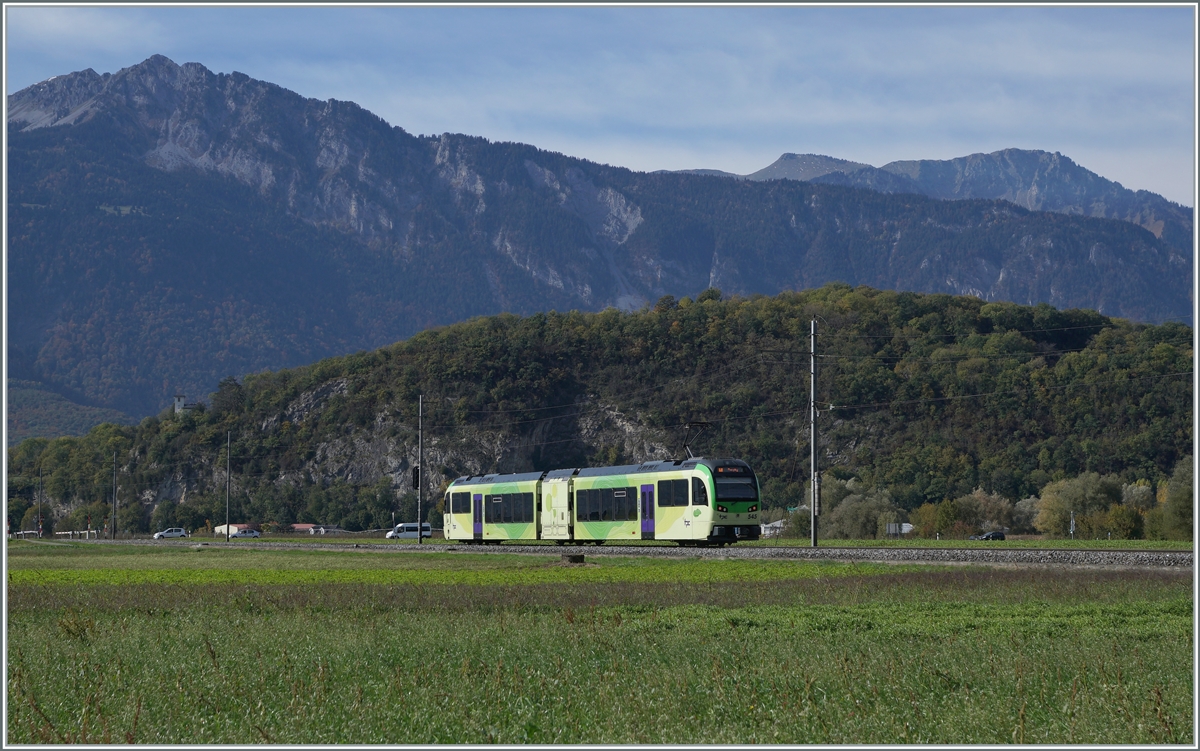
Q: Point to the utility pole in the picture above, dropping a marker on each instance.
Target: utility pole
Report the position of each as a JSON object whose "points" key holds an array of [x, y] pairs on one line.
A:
{"points": [[227, 486], [420, 460], [113, 532], [41, 497], [812, 430]]}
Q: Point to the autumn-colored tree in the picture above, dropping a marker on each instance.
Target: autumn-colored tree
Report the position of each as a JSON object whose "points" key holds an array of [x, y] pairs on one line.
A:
{"points": [[1082, 495]]}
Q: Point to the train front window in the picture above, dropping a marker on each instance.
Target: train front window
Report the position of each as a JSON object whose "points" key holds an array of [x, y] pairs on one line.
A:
{"points": [[736, 489]]}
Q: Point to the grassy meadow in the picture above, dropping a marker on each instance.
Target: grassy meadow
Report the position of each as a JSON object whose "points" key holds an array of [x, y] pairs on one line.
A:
{"points": [[157, 644]]}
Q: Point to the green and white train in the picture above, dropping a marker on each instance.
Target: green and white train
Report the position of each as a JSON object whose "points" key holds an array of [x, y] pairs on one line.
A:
{"points": [[693, 501]]}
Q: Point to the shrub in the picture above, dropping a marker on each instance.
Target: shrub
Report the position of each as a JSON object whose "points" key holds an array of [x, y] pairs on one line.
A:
{"points": [[987, 511], [857, 516], [94, 514], [924, 520], [1024, 512], [798, 524], [1125, 522], [30, 520], [946, 516], [1139, 495], [959, 530], [163, 515], [1178, 509], [1082, 495]]}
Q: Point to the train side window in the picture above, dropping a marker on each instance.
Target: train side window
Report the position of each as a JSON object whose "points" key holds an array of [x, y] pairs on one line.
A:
{"points": [[699, 492], [672, 493], [620, 504], [681, 492], [586, 505], [460, 503], [665, 494]]}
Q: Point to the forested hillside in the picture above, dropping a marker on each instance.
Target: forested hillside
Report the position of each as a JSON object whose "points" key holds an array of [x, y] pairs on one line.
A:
{"points": [[926, 396]]}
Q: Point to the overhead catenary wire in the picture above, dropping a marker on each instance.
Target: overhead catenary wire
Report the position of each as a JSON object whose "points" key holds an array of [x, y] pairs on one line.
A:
{"points": [[845, 337], [827, 406], [925, 400]]}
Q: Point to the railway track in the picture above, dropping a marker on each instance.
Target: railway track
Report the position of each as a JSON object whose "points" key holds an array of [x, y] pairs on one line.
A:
{"points": [[1017, 556], [1179, 559]]}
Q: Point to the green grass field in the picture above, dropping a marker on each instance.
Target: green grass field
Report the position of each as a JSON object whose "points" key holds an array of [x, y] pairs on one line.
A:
{"points": [[175, 645]]}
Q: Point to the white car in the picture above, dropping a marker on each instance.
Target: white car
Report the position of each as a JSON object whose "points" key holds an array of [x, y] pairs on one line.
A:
{"points": [[245, 533], [409, 531], [172, 532]]}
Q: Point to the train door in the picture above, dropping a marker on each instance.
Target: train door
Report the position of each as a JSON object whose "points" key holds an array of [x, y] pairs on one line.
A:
{"points": [[568, 519], [648, 512], [477, 515]]}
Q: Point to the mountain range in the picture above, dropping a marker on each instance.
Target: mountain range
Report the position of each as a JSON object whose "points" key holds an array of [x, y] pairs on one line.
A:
{"points": [[1035, 180], [170, 226]]}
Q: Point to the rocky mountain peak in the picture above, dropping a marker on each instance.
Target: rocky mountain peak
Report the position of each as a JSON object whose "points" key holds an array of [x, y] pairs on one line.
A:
{"points": [[805, 167]]}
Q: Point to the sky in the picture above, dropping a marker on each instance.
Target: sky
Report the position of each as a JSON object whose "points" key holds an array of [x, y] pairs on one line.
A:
{"points": [[688, 87]]}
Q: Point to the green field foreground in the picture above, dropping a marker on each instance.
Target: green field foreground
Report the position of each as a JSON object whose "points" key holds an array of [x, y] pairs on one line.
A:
{"points": [[175, 645]]}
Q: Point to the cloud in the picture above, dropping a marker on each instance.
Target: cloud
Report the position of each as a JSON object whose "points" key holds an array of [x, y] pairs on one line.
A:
{"points": [[63, 33]]}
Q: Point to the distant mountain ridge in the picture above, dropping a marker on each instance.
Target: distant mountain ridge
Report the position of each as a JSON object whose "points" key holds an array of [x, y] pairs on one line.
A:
{"points": [[169, 226], [1035, 180]]}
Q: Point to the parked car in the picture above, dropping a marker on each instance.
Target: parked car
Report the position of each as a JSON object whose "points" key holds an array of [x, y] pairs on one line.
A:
{"points": [[988, 536], [172, 532], [245, 533], [409, 531]]}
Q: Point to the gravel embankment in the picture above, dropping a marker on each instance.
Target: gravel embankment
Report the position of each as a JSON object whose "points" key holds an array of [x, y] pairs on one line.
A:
{"points": [[990, 556], [1138, 558]]}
